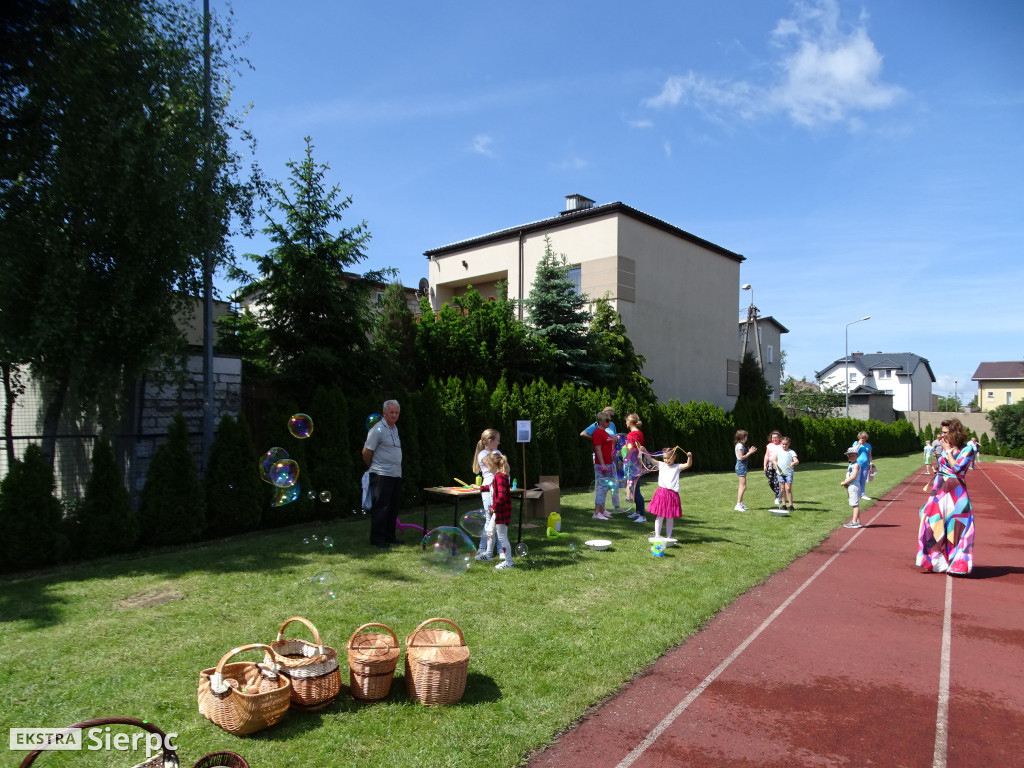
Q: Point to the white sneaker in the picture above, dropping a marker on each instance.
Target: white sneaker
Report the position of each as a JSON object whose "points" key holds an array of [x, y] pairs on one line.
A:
{"points": [[483, 557], [640, 519], [778, 502], [865, 498], [504, 565], [739, 508], [745, 507]]}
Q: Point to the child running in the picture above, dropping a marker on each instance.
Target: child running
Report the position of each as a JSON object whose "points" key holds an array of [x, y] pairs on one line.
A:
{"points": [[665, 504], [487, 444], [852, 485], [742, 456], [785, 459], [501, 505]]}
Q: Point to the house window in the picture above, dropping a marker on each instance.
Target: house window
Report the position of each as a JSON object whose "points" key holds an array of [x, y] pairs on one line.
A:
{"points": [[380, 298], [853, 377], [1009, 398], [771, 354], [575, 277], [885, 374], [991, 395]]}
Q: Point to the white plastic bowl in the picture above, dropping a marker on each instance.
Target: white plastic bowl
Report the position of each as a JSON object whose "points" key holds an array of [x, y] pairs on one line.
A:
{"points": [[598, 544]]}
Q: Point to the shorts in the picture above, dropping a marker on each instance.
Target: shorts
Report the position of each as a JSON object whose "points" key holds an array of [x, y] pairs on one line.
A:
{"points": [[854, 491], [741, 468], [786, 477]]}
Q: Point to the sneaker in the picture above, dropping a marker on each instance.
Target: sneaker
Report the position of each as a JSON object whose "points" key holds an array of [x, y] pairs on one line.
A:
{"points": [[745, 507], [635, 516], [596, 516], [792, 508], [640, 519], [852, 525], [865, 498], [504, 565], [483, 557], [739, 508], [778, 502]]}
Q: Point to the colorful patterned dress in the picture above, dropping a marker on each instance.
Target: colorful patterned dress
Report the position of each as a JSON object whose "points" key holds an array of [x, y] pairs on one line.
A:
{"points": [[945, 540]]}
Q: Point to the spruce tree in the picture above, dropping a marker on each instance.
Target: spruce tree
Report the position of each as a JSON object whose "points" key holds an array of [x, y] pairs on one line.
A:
{"points": [[559, 318], [234, 493], [106, 523], [30, 514], [172, 503]]}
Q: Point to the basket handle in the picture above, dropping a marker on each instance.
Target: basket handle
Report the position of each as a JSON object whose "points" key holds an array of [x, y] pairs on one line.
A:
{"points": [[453, 625], [170, 757], [268, 666], [309, 624], [373, 624]]}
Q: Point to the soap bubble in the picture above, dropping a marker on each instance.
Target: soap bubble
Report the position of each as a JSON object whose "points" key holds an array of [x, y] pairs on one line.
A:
{"points": [[267, 462], [300, 425], [311, 495], [572, 551], [305, 540], [521, 549], [327, 584], [284, 473], [473, 522], [284, 496], [325, 496], [371, 420], [446, 551], [328, 542]]}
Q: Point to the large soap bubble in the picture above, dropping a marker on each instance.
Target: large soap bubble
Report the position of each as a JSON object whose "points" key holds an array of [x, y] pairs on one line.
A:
{"points": [[284, 473], [372, 420], [268, 460], [300, 425], [447, 552], [473, 522], [284, 496], [326, 584]]}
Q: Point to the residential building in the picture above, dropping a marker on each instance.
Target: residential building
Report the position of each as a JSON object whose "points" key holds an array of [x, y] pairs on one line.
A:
{"points": [[905, 376], [999, 384], [769, 335], [676, 293]]}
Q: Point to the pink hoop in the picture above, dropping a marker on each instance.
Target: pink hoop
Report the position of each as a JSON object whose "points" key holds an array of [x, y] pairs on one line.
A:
{"points": [[402, 526]]}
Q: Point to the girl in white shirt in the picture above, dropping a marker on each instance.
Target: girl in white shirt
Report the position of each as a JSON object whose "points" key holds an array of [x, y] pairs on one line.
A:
{"points": [[665, 504]]}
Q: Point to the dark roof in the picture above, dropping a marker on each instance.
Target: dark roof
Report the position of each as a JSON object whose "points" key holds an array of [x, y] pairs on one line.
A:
{"points": [[1007, 370], [767, 319], [905, 362], [588, 213]]}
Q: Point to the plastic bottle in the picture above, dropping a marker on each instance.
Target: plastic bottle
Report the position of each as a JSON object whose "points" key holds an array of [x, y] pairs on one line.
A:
{"points": [[515, 485]]}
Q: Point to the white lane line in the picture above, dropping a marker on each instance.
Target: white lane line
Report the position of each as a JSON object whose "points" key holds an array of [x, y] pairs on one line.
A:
{"points": [[1012, 505], [681, 707], [942, 713]]}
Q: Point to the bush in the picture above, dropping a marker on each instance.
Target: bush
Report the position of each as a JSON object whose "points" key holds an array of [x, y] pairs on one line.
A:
{"points": [[235, 496], [30, 515], [105, 522], [172, 504]]}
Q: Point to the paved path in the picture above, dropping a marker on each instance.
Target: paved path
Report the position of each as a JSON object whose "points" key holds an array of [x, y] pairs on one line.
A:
{"points": [[850, 657]]}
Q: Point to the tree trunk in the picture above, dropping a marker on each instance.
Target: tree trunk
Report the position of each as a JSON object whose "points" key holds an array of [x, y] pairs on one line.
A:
{"points": [[10, 395], [51, 419]]}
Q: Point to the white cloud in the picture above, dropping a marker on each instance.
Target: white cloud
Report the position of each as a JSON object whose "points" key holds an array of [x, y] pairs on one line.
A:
{"points": [[668, 148], [824, 74], [640, 123], [482, 144]]}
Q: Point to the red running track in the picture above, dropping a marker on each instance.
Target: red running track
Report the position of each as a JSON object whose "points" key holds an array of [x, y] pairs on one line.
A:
{"points": [[850, 657]]}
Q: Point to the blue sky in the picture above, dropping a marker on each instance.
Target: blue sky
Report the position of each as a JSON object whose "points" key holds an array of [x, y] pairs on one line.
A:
{"points": [[865, 158]]}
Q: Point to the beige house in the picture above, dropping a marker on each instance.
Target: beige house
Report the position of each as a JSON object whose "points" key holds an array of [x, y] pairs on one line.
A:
{"points": [[676, 293], [769, 337], [999, 384]]}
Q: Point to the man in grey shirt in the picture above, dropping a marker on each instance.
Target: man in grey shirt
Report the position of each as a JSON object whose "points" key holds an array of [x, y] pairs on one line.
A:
{"points": [[382, 453]]}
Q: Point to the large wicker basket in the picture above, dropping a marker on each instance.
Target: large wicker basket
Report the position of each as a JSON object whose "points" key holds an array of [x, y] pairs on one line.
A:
{"points": [[372, 658], [436, 664], [166, 758], [312, 667], [244, 697]]}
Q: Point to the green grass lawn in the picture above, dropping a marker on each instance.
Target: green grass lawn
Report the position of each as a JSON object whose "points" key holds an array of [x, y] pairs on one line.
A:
{"points": [[547, 640]]}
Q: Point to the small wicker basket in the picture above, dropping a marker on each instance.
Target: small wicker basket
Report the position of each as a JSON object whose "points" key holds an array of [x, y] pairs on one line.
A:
{"points": [[167, 758], [244, 697], [372, 658], [312, 668], [436, 664]]}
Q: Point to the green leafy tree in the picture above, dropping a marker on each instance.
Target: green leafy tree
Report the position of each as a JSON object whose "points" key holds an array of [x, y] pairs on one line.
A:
{"points": [[616, 350], [1008, 424], [559, 318], [949, 403], [317, 316], [172, 503], [30, 514], [106, 523], [802, 398], [109, 196]]}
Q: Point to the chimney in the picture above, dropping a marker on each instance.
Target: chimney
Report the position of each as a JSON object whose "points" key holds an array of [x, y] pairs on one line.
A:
{"points": [[575, 203], [856, 354]]}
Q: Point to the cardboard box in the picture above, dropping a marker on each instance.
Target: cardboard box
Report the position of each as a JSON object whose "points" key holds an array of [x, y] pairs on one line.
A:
{"points": [[544, 498]]}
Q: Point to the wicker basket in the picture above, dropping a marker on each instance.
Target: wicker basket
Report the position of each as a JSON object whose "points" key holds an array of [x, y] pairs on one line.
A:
{"points": [[312, 668], [244, 697], [167, 758], [436, 663], [372, 658]]}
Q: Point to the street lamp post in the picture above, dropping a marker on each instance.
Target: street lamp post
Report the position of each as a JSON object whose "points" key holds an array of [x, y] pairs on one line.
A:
{"points": [[956, 401], [846, 361], [751, 325]]}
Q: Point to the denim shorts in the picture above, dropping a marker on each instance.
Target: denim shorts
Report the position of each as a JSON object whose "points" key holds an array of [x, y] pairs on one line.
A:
{"points": [[741, 467]]}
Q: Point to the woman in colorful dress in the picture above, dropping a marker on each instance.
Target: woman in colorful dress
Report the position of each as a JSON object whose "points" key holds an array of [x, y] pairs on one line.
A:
{"points": [[945, 541]]}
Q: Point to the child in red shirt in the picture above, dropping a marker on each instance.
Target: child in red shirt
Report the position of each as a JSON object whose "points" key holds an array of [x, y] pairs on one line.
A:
{"points": [[501, 504]]}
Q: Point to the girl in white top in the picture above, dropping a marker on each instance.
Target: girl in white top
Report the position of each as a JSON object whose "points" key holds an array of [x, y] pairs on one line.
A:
{"points": [[488, 443], [770, 471], [665, 504]]}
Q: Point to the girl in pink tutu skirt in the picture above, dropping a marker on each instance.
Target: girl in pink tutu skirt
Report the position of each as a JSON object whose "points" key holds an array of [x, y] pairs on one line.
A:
{"points": [[665, 504]]}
